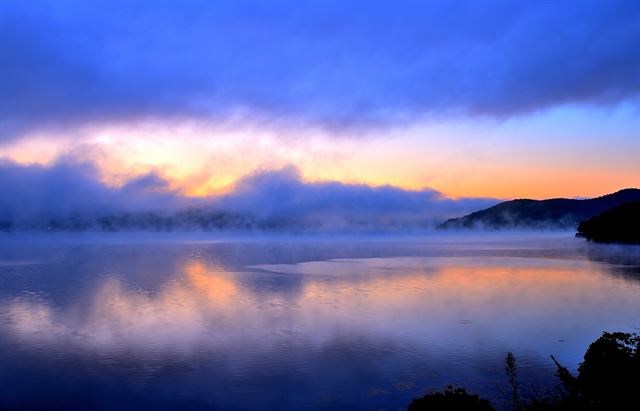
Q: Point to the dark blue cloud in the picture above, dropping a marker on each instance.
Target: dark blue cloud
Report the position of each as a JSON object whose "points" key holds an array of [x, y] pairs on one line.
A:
{"points": [[71, 193], [328, 63]]}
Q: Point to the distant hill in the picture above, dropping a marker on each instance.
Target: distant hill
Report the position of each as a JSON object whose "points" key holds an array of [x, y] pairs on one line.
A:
{"points": [[555, 213], [618, 225]]}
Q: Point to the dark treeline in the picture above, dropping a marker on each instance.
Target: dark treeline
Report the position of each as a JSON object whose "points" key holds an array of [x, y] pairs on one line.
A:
{"points": [[203, 219], [189, 219], [608, 379], [618, 225]]}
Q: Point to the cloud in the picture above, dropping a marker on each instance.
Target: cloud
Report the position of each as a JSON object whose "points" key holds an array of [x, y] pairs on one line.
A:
{"points": [[284, 198], [329, 64], [33, 195], [72, 195]]}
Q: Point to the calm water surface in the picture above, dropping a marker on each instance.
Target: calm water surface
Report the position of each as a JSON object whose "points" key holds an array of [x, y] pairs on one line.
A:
{"points": [[124, 323]]}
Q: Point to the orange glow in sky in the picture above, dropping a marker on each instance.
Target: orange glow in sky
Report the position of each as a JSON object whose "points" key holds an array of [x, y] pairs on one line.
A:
{"points": [[477, 159]]}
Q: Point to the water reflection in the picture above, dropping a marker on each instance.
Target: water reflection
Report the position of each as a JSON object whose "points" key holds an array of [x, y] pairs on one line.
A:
{"points": [[203, 325]]}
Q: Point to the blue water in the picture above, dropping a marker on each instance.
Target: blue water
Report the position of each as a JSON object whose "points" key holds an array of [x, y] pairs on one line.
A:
{"points": [[128, 322]]}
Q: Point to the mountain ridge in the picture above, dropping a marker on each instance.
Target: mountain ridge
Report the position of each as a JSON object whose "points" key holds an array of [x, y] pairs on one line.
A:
{"points": [[554, 213]]}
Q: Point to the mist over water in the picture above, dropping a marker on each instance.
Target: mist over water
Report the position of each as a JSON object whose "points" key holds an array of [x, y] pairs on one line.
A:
{"points": [[69, 195], [293, 322]]}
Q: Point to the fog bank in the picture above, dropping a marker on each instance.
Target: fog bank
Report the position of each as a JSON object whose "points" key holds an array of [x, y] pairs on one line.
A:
{"points": [[69, 195]]}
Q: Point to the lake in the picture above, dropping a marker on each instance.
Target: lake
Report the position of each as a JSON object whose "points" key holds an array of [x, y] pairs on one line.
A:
{"points": [[127, 322]]}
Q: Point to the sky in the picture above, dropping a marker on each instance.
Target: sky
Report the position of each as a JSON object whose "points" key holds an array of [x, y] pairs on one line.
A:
{"points": [[464, 99]]}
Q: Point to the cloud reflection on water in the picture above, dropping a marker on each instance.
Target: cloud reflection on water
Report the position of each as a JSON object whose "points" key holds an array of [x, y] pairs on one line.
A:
{"points": [[436, 299], [293, 325]]}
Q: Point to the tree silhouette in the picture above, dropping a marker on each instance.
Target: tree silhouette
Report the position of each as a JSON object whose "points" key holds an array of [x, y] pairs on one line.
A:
{"points": [[608, 379], [512, 375], [453, 398]]}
